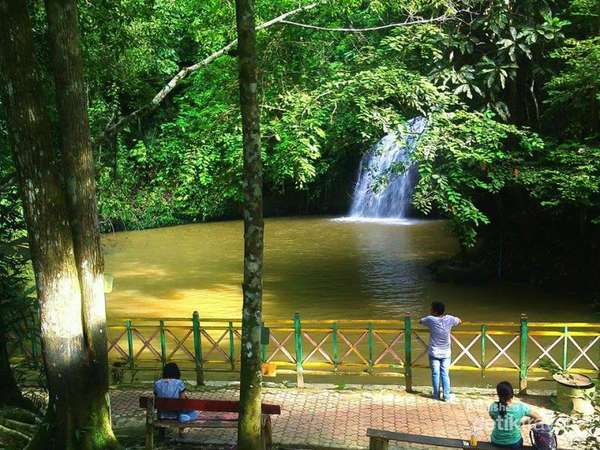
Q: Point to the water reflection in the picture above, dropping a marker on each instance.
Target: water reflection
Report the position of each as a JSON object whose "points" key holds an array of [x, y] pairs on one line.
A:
{"points": [[390, 271]]}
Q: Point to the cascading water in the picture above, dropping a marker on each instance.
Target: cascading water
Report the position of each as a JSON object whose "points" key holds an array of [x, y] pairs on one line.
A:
{"points": [[386, 177]]}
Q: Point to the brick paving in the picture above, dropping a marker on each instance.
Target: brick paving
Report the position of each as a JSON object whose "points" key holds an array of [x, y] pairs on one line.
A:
{"points": [[321, 417]]}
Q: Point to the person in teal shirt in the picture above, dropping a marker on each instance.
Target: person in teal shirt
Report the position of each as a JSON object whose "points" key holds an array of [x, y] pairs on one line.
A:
{"points": [[508, 418]]}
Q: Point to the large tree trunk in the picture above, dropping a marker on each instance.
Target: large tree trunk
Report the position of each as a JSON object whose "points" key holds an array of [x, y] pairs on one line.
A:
{"points": [[50, 238], [78, 170], [250, 377], [49, 234]]}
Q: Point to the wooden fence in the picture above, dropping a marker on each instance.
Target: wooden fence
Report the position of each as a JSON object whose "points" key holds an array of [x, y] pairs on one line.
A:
{"points": [[355, 347]]}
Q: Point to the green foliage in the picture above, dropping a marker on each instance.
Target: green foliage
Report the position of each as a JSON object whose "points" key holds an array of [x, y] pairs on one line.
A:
{"points": [[490, 52], [569, 175], [462, 155], [15, 273], [18, 303], [576, 88]]}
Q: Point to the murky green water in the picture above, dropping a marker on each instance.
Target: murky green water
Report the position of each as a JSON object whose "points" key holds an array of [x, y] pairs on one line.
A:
{"points": [[319, 267]]}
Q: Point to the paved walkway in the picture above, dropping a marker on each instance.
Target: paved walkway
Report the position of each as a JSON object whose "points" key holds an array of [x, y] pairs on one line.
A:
{"points": [[319, 417]]}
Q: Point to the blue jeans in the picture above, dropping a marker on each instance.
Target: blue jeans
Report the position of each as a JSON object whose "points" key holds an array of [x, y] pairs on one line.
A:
{"points": [[188, 416], [440, 366]]}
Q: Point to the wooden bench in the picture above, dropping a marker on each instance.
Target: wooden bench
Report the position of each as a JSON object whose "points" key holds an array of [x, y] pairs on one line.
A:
{"points": [[151, 404], [380, 439]]}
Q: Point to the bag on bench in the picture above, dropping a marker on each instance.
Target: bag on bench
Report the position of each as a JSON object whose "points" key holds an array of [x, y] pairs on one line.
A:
{"points": [[543, 437]]}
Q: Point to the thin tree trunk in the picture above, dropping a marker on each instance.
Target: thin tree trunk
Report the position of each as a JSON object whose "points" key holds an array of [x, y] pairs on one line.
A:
{"points": [[49, 233], [249, 426], [78, 170]]}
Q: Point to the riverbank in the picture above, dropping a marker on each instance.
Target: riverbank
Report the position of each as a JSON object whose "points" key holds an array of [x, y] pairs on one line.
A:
{"points": [[326, 417]]}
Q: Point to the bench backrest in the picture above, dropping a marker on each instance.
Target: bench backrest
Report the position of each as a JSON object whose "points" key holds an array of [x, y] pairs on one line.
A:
{"points": [[185, 404]]}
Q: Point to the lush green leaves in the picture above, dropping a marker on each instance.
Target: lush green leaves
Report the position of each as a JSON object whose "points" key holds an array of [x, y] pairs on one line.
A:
{"points": [[462, 155], [576, 88], [568, 176]]}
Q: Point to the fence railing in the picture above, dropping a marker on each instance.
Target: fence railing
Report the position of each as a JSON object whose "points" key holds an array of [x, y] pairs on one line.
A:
{"points": [[355, 347]]}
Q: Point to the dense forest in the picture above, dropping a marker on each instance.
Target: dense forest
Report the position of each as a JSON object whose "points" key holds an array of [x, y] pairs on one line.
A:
{"points": [[133, 114], [511, 92]]}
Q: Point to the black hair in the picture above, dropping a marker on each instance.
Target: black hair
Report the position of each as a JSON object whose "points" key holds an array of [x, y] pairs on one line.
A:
{"points": [[171, 370], [438, 308], [505, 393]]}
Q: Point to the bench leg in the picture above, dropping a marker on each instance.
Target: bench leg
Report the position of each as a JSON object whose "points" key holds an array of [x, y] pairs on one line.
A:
{"points": [[149, 437], [150, 424], [267, 433], [377, 443]]}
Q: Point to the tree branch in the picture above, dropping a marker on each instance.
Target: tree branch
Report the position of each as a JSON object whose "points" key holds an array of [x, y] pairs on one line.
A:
{"points": [[362, 30], [183, 73], [114, 127]]}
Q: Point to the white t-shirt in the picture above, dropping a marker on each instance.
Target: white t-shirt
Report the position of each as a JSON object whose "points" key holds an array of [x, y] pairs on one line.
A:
{"points": [[439, 338], [168, 388]]}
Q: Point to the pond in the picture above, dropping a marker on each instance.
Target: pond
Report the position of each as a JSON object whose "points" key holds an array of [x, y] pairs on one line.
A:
{"points": [[317, 266]]}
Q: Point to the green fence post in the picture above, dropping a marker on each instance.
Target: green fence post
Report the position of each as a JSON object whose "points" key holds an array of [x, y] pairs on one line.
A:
{"points": [[334, 343], [231, 346], [129, 344], [566, 348], [298, 347], [198, 349], [408, 353], [523, 361], [163, 344], [370, 346], [483, 343]]}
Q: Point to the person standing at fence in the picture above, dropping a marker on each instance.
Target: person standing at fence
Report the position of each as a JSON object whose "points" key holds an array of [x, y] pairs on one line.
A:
{"points": [[440, 325]]}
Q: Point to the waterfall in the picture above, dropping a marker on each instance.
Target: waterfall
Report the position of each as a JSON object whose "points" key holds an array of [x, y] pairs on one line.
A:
{"points": [[386, 177]]}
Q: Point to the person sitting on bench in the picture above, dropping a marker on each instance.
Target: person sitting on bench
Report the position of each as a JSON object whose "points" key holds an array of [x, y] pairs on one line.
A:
{"points": [[171, 386], [507, 415]]}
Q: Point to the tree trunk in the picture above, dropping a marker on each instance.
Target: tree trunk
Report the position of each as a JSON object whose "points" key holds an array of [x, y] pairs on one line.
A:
{"points": [[50, 238], [49, 234], [249, 426], [78, 171]]}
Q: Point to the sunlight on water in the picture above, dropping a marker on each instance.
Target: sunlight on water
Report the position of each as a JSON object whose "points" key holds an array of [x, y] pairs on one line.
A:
{"points": [[379, 220], [322, 268]]}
